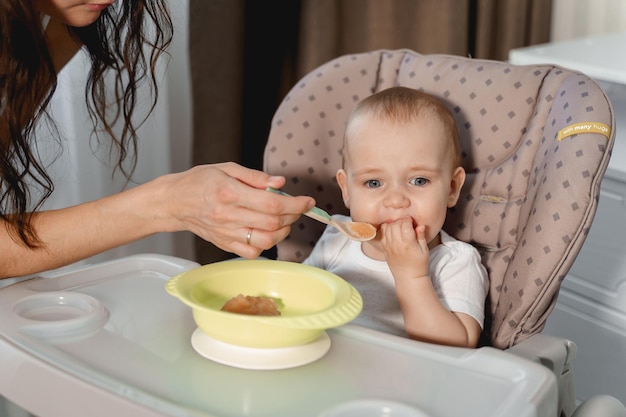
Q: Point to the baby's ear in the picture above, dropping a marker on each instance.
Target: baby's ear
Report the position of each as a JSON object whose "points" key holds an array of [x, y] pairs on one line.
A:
{"points": [[342, 180], [458, 179]]}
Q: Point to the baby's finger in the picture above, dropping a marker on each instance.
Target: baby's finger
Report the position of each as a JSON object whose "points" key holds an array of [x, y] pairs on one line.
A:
{"points": [[420, 231], [406, 227]]}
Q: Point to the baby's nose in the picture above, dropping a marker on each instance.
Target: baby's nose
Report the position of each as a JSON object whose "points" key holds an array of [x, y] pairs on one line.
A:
{"points": [[395, 198]]}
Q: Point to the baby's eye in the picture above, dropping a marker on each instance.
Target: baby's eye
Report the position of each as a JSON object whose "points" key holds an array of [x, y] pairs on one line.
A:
{"points": [[419, 181], [372, 183]]}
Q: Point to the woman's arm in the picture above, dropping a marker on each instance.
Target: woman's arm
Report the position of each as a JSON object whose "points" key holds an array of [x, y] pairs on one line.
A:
{"points": [[219, 203]]}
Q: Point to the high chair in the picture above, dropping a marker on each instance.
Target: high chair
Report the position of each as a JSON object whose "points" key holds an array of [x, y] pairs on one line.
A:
{"points": [[536, 141]]}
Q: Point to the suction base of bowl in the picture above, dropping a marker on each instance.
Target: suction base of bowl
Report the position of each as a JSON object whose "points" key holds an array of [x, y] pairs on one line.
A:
{"points": [[259, 358]]}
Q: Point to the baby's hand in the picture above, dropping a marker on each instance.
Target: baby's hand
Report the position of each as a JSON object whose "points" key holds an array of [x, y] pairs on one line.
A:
{"points": [[405, 247]]}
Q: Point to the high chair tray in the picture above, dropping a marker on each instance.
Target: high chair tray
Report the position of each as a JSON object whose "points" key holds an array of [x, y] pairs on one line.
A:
{"points": [[106, 339]]}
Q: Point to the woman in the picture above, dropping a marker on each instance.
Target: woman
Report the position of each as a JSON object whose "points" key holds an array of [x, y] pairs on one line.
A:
{"points": [[225, 204]]}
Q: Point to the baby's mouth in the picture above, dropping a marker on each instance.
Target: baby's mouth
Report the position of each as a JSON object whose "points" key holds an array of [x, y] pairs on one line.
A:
{"points": [[388, 221]]}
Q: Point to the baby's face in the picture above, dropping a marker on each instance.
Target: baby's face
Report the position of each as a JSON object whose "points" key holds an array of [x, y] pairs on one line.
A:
{"points": [[399, 170]]}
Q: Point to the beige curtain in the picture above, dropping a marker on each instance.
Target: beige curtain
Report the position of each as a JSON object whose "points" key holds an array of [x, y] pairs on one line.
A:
{"points": [[480, 28], [245, 55], [502, 25], [330, 28]]}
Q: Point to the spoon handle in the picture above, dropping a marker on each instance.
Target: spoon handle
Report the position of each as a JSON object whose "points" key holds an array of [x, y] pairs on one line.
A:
{"points": [[319, 215], [314, 213]]}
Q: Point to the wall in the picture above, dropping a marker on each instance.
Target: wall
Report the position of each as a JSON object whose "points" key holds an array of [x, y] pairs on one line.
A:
{"points": [[590, 310], [579, 18]]}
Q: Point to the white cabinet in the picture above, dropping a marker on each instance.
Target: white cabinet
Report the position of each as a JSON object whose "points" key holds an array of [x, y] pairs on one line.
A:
{"points": [[591, 308]]}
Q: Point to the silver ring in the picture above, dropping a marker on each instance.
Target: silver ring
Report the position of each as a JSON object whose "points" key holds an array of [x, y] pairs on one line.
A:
{"points": [[249, 236]]}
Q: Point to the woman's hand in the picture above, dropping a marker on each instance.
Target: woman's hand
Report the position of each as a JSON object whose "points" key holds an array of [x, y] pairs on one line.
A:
{"points": [[227, 205]]}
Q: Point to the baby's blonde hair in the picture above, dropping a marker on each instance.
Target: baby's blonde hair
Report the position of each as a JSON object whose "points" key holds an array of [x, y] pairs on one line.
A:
{"points": [[403, 105]]}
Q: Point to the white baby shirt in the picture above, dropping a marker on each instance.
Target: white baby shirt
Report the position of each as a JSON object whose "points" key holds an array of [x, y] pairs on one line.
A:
{"points": [[459, 278]]}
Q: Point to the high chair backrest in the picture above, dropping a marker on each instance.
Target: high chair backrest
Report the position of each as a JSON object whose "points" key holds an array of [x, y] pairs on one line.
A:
{"points": [[535, 140]]}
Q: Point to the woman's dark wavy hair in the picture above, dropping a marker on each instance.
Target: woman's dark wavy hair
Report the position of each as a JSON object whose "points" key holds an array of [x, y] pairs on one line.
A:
{"points": [[126, 40]]}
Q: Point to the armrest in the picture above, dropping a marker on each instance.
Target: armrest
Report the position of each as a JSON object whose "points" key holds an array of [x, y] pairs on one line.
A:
{"points": [[556, 354]]}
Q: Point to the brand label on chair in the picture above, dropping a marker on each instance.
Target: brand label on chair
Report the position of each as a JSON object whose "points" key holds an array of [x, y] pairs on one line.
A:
{"points": [[584, 127]]}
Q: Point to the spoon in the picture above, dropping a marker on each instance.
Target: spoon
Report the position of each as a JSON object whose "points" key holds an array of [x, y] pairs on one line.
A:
{"points": [[354, 230]]}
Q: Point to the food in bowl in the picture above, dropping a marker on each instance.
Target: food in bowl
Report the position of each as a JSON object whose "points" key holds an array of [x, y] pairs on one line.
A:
{"points": [[252, 305], [310, 301]]}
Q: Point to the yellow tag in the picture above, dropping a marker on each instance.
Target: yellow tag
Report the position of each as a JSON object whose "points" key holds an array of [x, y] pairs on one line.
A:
{"points": [[584, 127], [493, 198]]}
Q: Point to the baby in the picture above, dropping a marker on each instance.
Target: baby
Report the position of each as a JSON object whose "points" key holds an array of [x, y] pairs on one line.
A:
{"points": [[401, 172]]}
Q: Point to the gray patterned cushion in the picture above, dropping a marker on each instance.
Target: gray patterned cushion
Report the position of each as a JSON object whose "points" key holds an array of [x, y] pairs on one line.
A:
{"points": [[529, 198]]}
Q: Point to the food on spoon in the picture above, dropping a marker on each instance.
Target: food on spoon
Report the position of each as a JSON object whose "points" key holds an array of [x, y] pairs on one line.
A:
{"points": [[362, 230], [251, 305]]}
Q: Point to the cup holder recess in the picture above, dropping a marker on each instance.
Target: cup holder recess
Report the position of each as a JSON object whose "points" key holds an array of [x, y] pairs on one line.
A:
{"points": [[60, 316]]}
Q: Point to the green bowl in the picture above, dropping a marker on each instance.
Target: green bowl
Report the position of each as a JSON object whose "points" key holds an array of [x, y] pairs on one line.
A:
{"points": [[310, 300]]}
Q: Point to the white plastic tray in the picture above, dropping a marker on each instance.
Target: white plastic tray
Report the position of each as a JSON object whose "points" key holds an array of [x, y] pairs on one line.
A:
{"points": [[130, 353]]}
